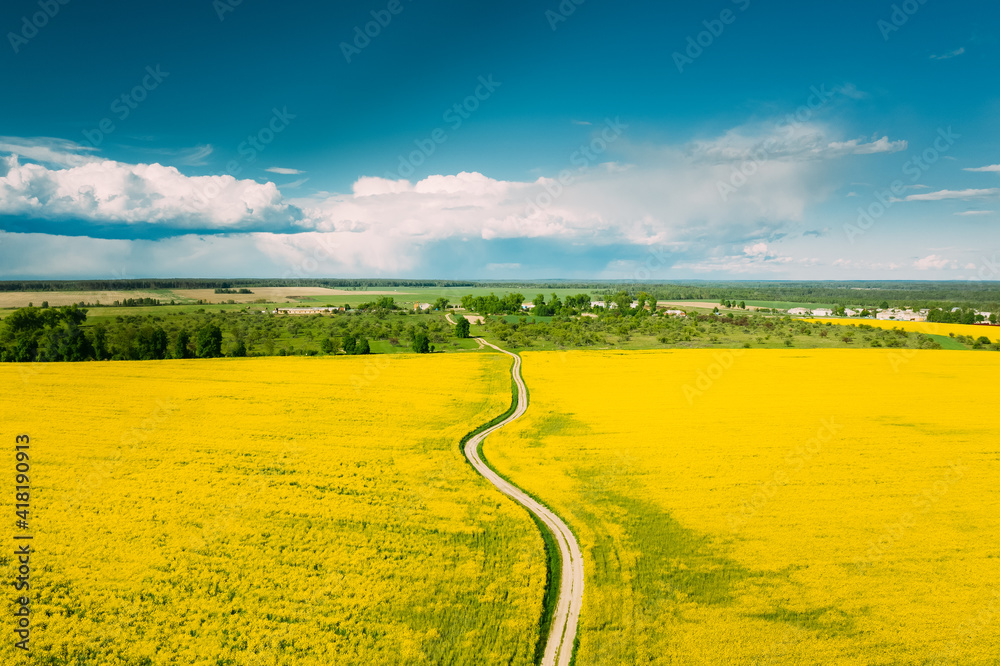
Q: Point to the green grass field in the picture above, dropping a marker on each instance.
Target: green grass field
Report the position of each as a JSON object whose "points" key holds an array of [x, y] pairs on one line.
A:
{"points": [[405, 297], [787, 305], [513, 319], [453, 345], [947, 342]]}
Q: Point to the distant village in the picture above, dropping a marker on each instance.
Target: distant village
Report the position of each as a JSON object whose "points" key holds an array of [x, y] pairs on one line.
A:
{"points": [[894, 314], [890, 314]]}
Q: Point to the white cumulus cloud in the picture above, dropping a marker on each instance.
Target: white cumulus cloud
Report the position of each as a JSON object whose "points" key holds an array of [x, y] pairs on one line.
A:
{"points": [[108, 192], [933, 262], [941, 195]]}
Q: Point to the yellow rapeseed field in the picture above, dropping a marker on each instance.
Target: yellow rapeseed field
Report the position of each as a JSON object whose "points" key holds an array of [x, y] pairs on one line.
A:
{"points": [[267, 511], [770, 506], [928, 328]]}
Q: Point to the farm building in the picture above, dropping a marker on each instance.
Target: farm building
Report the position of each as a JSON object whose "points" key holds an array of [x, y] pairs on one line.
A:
{"points": [[304, 311], [798, 311], [896, 314]]}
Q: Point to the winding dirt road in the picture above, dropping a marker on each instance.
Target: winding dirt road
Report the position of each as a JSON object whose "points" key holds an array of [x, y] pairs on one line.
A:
{"points": [[562, 632]]}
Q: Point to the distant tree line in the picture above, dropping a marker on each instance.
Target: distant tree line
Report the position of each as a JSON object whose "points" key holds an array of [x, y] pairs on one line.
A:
{"points": [[136, 302], [959, 316], [65, 334], [57, 334], [490, 305], [382, 303], [981, 295], [203, 283], [860, 293]]}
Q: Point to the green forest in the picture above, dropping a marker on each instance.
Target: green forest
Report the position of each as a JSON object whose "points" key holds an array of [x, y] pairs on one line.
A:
{"points": [[42, 334]]}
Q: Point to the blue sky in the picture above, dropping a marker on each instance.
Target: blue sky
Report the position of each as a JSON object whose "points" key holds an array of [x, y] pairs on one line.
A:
{"points": [[587, 139]]}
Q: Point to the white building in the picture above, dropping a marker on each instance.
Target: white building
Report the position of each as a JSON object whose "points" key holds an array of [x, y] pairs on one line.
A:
{"points": [[798, 311], [895, 314], [303, 311], [822, 312], [848, 312]]}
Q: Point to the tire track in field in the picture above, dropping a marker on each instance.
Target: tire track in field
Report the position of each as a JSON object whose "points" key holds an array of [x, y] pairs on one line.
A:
{"points": [[562, 631]]}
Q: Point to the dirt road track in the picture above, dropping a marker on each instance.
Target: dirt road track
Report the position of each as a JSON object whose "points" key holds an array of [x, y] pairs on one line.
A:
{"points": [[562, 632]]}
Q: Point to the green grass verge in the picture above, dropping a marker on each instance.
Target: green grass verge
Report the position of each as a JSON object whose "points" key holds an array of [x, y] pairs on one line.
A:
{"points": [[947, 342]]}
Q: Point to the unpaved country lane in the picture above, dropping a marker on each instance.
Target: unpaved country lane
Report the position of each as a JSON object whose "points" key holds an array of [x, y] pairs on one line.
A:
{"points": [[562, 632]]}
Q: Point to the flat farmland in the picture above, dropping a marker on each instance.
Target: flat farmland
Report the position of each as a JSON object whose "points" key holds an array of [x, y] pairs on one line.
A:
{"points": [[771, 506], [284, 295], [270, 511], [21, 299]]}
